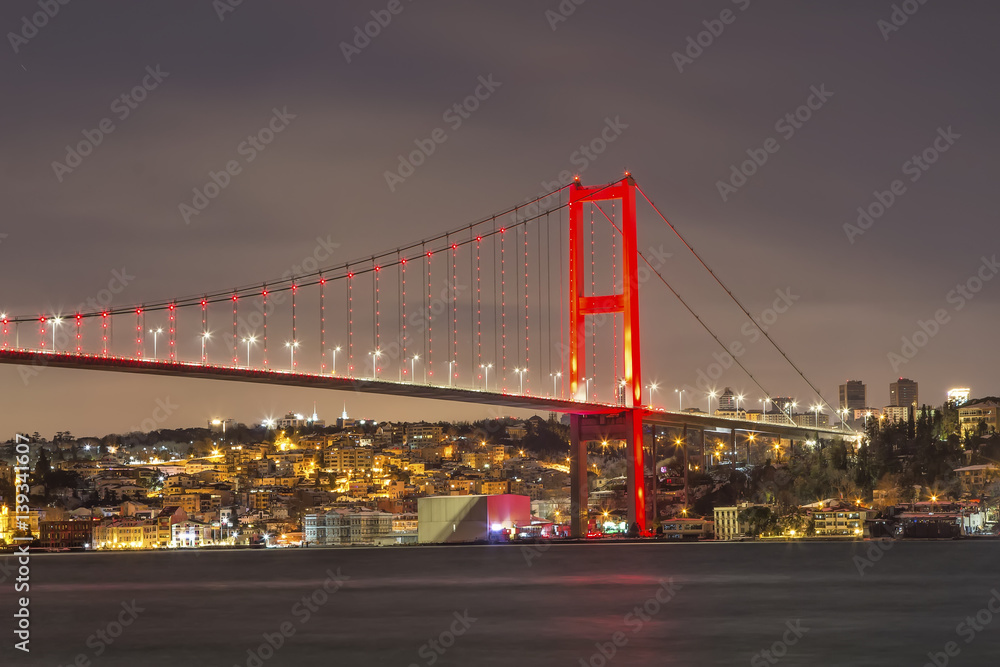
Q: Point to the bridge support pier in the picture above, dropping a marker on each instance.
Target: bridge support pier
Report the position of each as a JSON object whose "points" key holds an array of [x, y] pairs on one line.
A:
{"points": [[636, 469], [578, 489], [625, 425]]}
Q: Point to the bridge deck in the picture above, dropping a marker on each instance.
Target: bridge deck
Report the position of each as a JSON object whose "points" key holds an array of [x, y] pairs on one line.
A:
{"points": [[390, 388]]}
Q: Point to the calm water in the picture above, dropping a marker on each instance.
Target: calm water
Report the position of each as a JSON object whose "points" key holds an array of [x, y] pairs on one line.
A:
{"points": [[488, 606]]}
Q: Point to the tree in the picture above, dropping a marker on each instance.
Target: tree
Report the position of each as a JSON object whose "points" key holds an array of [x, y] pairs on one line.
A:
{"points": [[758, 519], [42, 466]]}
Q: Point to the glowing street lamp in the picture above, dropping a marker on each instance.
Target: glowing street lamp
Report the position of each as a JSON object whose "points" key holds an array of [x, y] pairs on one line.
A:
{"points": [[816, 410], [376, 355], [711, 395], [765, 403], [680, 399], [333, 366], [739, 397], [204, 338], [56, 321], [451, 375], [413, 378], [486, 375], [155, 332], [249, 340], [555, 376], [652, 386], [291, 348], [520, 373]]}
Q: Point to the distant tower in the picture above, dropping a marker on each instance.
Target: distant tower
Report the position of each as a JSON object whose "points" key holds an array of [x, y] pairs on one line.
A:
{"points": [[728, 400], [903, 393], [853, 395]]}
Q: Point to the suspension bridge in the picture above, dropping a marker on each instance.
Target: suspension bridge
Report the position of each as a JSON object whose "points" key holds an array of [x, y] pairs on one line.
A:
{"points": [[536, 307]]}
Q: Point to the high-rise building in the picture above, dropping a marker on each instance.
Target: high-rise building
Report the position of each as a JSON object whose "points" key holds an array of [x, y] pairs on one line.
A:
{"points": [[853, 395], [727, 401], [903, 393]]}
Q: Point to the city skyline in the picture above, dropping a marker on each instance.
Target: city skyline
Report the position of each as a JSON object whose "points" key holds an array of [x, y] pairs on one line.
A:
{"points": [[123, 235]]}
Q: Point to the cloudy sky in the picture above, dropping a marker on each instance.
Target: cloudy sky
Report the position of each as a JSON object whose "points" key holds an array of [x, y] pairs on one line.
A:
{"points": [[695, 90]]}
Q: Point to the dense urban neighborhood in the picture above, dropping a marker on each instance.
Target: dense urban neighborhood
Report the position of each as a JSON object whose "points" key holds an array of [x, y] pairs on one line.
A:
{"points": [[298, 482]]}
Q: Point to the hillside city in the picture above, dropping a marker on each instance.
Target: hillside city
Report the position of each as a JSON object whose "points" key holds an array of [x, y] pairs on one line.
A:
{"points": [[904, 470]]}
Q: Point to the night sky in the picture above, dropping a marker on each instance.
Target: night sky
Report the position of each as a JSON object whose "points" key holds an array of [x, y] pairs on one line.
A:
{"points": [[686, 115]]}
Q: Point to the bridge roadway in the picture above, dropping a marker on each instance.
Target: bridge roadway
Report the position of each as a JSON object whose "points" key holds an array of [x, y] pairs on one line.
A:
{"points": [[657, 417]]}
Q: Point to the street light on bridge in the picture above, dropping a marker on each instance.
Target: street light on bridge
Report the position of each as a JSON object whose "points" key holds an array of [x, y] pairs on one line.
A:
{"points": [[155, 332], [56, 321], [249, 340], [291, 348], [204, 338], [652, 386], [711, 395], [520, 374], [333, 365], [554, 377], [486, 375], [680, 399]]}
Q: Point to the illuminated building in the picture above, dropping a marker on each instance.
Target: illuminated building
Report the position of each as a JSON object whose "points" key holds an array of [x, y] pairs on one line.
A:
{"points": [[982, 411], [903, 393], [959, 395], [853, 395]]}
